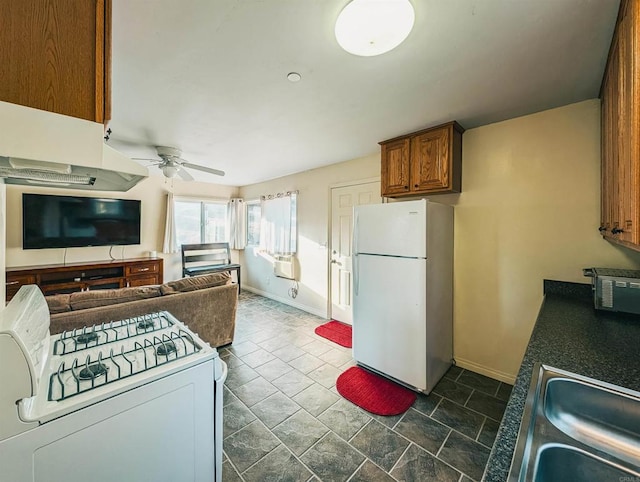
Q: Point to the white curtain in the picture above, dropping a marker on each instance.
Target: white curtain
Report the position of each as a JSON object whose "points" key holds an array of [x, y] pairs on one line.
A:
{"points": [[237, 223], [170, 244], [278, 227]]}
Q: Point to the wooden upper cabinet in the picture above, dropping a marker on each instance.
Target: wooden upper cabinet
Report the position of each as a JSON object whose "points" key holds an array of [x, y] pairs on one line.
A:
{"points": [[424, 162], [55, 55], [620, 187], [430, 169], [628, 162], [395, 169]]}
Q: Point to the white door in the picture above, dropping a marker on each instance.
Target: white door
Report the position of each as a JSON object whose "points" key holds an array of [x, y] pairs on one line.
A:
{"points": [[343, 199]]}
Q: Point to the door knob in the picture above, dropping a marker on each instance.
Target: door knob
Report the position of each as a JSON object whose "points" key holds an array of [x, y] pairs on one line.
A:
{"points": [[335, 261]]}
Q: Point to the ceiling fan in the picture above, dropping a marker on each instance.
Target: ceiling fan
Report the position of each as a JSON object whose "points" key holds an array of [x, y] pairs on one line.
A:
{"points": [[171, 164]]}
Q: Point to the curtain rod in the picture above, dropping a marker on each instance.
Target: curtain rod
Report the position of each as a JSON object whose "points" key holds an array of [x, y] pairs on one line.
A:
{"points": [[277, 195], [205, 199]]}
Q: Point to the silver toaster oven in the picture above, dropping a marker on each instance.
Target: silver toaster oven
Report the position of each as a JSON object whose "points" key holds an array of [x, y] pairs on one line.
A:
{"points": [[615, 289]]}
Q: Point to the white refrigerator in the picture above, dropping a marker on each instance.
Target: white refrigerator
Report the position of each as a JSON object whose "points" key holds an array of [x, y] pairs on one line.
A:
{"points": [[403, 290]]}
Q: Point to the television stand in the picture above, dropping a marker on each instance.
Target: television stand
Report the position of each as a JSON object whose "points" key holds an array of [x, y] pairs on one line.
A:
{"points": [[71, 277]]}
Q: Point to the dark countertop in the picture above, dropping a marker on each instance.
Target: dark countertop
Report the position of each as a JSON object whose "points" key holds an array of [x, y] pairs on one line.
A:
{"points": [[569, 334]]}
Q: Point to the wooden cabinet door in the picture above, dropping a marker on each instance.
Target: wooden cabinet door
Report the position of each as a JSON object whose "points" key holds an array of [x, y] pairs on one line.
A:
{"points": [[54, 56], [430, 159], [605, 217], [627, 182], [611, 144], [609, 151], [620, 201], [613, 181], [626, 165], [151, 279], [634, 173], [395, 167]]}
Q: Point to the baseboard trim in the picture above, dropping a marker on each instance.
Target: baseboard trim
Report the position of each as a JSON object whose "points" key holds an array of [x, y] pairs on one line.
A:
{"points": [[286, 301], [489, 372]]}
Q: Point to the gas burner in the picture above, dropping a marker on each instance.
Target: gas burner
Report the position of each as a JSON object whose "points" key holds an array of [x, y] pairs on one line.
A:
{"points": [[166, 348], [145, 324], [86, 338], [114, 331], [92, 371]]}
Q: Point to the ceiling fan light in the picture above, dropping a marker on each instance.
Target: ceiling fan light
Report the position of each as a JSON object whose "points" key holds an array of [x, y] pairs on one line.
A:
{"points": [[373, 27], [169, 171]]}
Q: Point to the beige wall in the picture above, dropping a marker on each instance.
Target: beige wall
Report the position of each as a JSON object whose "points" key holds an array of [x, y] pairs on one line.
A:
{"points": [[529, 210], [152, 192], [313, 232]]}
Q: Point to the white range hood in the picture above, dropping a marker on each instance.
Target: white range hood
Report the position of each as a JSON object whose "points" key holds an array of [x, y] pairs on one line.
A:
{"points": [[40, 148]]}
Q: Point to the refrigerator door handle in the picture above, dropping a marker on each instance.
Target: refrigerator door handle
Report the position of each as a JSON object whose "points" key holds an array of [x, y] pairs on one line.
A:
{"points": [[354, 248], [356, 277]]}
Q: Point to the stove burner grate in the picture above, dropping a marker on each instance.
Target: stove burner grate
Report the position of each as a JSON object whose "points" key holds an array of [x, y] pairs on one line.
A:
{"points": [[146, 354], [86, 338], [145, 324], [92, 371], [105, 333], [166, 348]]}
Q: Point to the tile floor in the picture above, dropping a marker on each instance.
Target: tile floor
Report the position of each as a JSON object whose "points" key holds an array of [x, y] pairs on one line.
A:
{"points": [[284, 419]]}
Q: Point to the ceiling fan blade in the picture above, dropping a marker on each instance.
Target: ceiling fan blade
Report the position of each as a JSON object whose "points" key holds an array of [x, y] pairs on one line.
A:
{"points": [[145, 159], [217, 172], [185, 175]]}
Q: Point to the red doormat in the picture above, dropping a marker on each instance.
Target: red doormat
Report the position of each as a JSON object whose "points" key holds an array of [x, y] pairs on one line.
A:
{"points": [[337, 332], [374, 393]]}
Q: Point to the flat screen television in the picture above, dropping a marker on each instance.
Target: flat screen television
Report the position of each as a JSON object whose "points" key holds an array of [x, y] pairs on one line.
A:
{"points": [[73, 221]]}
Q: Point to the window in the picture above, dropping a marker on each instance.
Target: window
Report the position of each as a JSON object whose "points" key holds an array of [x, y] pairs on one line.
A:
{"points": [[254, 213], [278, 229], [200, 222]]}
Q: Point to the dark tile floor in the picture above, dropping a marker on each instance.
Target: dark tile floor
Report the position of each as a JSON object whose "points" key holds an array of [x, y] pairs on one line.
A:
{"points": [[284, 419]]}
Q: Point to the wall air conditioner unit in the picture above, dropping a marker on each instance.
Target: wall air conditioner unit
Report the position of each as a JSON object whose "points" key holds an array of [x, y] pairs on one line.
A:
{"points": [[285, 267]]}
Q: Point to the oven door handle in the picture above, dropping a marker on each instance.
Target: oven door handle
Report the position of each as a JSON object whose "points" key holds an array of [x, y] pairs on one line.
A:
{"points": [[225, 372]]}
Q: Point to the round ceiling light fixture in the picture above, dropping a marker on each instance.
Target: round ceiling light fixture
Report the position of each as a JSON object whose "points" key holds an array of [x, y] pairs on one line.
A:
{"points": [[294, 77], [169, 171], [373, 27]]}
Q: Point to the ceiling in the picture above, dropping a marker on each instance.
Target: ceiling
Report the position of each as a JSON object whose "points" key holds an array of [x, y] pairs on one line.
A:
{"points": [[209, 76]]}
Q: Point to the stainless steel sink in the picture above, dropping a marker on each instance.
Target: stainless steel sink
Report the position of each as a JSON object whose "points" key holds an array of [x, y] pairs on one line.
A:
{"points": [[595, 415], [561, 463], [577, 428]]}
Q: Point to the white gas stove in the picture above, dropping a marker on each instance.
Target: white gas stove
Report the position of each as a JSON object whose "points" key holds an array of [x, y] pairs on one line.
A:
{"points": [[135, 399]]}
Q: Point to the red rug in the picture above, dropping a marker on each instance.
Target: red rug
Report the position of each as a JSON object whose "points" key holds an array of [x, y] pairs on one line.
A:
{"points": [[337, 332], [374, 393]]}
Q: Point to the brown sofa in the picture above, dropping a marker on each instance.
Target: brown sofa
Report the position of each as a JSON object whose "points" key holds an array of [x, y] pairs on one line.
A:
{"points": [[206, 304]]}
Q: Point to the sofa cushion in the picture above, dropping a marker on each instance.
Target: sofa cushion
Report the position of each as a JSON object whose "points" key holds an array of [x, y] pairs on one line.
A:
{"points": [[92, 299], [196, 283], [58, 303]]}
